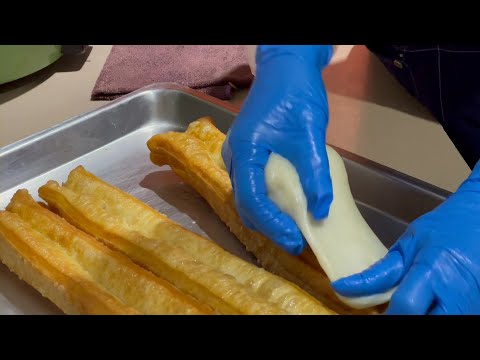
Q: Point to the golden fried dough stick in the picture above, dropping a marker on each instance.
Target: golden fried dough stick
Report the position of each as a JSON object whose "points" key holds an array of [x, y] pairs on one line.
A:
{"points": [[204, 130], [190, 156], [194, 264], [77, 272], [45, 266]]}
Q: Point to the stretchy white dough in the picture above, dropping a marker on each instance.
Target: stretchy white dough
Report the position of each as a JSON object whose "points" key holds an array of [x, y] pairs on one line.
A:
{"points": [[343, 243]]}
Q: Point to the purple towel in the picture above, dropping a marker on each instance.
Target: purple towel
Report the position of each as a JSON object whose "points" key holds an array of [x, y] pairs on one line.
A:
{"points": [[214, 69]]}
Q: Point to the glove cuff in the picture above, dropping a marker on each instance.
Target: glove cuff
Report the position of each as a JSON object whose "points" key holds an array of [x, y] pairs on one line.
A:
{"points": [[316, 55]]}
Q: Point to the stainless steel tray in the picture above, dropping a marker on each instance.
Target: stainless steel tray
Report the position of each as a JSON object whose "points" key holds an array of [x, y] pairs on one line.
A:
{"points": [[111, 142]]}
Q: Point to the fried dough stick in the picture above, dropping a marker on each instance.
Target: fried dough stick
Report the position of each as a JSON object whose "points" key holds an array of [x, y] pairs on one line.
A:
{"points": [[194, 264], [78, 273]]}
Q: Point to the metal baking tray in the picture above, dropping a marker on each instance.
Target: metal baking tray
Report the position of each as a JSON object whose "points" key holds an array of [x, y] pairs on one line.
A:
{"points": [[111, 143]]}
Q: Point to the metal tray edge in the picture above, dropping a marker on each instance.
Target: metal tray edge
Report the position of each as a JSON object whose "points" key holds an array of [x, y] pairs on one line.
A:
{"points": [[72, 121]]}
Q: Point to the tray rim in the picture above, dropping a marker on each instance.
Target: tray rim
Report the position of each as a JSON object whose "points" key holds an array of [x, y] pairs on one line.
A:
{"points": [[77, 118], [358, 159]]}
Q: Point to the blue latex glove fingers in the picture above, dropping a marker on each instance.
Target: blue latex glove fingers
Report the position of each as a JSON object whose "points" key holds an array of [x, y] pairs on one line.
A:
{"points": [[380, 277], [414, 296], [384, 274], [253, 202], [314, 172]]}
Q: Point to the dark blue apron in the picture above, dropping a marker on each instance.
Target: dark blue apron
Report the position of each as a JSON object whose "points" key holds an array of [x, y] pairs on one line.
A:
{"points": [[446, 79]]}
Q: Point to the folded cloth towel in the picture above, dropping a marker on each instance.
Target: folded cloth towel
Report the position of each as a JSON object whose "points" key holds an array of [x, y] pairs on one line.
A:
{"points": [[214, 69]]}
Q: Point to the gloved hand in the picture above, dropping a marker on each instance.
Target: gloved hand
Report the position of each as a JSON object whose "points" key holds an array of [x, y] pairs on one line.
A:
{"points": [[286, 112], [436, 261]]}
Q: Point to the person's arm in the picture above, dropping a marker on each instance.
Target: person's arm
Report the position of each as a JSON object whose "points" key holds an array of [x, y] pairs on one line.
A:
{"points": [[285, 112], [436, 262], [340, 54]]}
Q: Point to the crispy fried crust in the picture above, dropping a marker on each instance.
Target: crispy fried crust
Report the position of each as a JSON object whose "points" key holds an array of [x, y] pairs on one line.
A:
{"points": [[195, 156], [47, 268], [76, 272], [205, 131], [194, 264]]}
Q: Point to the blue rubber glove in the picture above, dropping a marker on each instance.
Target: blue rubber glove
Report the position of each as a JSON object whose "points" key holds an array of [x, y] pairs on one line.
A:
{"points": [[286, 112], [436, 261]]}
